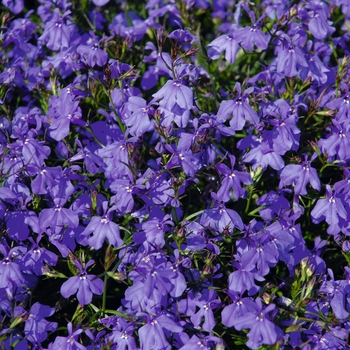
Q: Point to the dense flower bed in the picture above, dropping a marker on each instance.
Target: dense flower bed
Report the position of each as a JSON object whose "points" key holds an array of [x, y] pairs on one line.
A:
{"points": [[174, 174]]}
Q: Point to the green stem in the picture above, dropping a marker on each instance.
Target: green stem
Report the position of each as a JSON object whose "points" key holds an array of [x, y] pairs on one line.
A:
{"points": [[104, 296]]}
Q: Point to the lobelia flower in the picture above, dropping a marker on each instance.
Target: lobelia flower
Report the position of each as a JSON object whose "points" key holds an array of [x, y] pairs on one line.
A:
{"points": [[152, 334], [227, 43], [316, 69], [261, 257], [206, 303], [176, 99], [300, 175], [286, 134], [239, 109], [136, 114], [91, 51], [71, 342], [284, 242], [57, 32], [318, 25], [291, 56], [116, 159], [342, 104], [153, 278], [183, 36], [274, 203], [151, 77], [63, 111], [330, 209], [100, 228], [262, 329], [343, 186], [338, 143], [155, 229], [36, 327], [339, 294], [251, 36], [239, 308], [183, 157], [16, 222], [57, 217], [84, 285], [122, 334], [242, 280], [11, 273], [129, 26], [123, 199], [92, 161], [203, 343], [36, 258], [137, 300], [100, 2], [262, 151], [233, 181], [220, 218], [160, 189], [15, 6]]}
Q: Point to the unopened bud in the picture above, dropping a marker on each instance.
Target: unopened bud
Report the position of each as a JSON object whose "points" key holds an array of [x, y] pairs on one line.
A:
{"points": [[293, 11], [117, 276]]}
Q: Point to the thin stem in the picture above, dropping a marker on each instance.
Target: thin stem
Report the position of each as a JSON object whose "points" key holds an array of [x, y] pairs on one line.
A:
{"points": [[104, 296]]}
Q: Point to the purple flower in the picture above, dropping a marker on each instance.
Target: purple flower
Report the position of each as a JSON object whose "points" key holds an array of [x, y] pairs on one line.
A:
{"points": [[262, 329], [203, 343], [239, 308], [161, 67], [239, 109], [36, 327], [221, 218], [122, 334], [57, 217], [338, 143], [226, 43], [260, 258], [123, 200], [155, 229], [46, 178], [15, 6], [57, 33], [183, 157], [176, 99], [343, 106], [35, 259], [154, 278], [300, 175], [152, 335], [262, 152], [92, 161], [290, 57], [84, 285], [206, 303], [331, 209], [100, 2], [249, 36], [233, 181], [63, 111], [319, 27], [136, 116], [100, 228], [128, 25], [11, 275], [70, 342], [92, 53], [242, 280]]}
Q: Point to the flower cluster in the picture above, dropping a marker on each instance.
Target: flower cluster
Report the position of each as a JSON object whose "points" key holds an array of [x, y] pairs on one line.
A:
{"points": [[175, 174]]}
